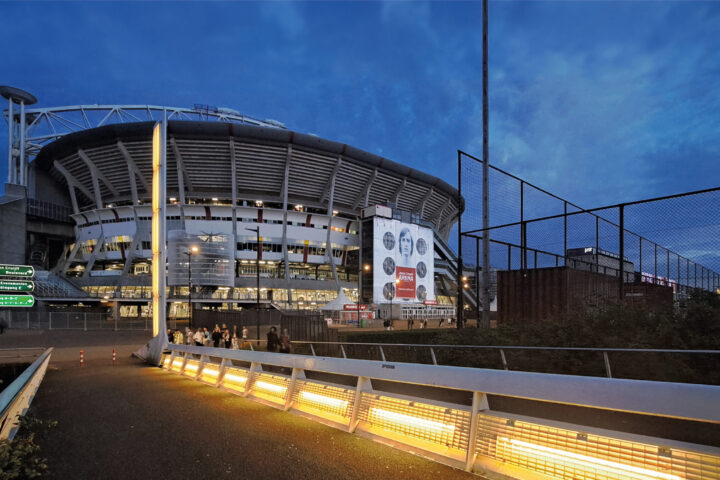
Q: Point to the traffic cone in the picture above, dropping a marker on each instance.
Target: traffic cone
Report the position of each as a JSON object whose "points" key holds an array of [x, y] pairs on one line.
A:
{"points": [[82, 358]]}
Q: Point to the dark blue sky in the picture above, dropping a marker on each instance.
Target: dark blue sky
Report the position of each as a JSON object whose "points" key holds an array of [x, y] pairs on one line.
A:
{"points": [[599, 102]]}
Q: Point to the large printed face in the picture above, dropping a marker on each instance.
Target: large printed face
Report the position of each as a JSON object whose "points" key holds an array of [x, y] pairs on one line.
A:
{"points": [[404, 265]]}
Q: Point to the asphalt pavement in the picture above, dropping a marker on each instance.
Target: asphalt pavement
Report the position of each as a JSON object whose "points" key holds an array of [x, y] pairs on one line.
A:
{"points": [[135, 421]]}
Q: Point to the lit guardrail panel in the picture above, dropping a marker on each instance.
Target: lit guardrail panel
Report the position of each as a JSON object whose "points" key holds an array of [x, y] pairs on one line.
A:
{"points": [[518, 447], [269, 387], [235, 379], [414, 420], [326, 401], [570, 455], [191, 368], [210, 373]]}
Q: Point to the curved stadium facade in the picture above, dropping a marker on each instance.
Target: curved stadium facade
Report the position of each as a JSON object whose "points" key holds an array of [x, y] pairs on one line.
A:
{"points": [[304, 194]]}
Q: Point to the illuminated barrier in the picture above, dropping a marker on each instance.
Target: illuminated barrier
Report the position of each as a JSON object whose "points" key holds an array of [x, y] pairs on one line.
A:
{"points": [[569, 454], [470, 435]]}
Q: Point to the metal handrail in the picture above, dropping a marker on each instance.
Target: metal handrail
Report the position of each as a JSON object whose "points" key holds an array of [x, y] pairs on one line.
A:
{"points": [[515, 347], [16, 397], [502, 348]]}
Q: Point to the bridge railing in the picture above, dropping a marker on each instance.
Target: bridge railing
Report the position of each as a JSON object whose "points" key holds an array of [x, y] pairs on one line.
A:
{"points": [[436, 354], [443, 412], [15, 399]]}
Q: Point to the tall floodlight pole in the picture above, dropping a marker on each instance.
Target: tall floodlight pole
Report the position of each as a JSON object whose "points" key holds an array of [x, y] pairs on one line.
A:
{"points": [[486, 176], [257, 280]]}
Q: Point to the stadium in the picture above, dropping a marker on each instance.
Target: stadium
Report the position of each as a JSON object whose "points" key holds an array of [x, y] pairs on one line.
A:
{"points": [[279, 208]]}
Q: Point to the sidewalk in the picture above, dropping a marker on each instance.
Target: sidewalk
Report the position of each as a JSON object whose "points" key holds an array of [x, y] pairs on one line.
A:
{"points": [[96, 344]]}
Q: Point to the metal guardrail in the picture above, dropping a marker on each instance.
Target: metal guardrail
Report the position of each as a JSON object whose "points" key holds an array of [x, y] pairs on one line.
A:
{"points": [[471, 435], [15, 399], [501, 350]]}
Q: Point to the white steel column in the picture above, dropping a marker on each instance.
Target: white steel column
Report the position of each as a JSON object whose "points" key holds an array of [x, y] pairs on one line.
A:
{"points": [[158, 242]]}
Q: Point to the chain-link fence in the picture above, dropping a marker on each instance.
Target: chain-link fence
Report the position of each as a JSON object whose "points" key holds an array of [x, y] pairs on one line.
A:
{"points": [[551, 256]]}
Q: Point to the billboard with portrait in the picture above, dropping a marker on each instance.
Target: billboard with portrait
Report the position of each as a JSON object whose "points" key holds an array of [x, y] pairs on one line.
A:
{"points": [[404, 267]]}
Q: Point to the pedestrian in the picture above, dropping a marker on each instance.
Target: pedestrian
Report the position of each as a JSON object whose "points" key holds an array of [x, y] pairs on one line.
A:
{"points": [[411, 322], [285, 344], [245, 342], [272, 340], [178, 337], [199, 337], [235, 342], [171, 336], [216, 336], [188, 336], [440, 323], [207, 340], [227, 339]]}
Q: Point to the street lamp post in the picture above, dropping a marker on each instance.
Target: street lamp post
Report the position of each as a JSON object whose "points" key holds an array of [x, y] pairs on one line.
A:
{"points": [[257, 281], [189, 253]]}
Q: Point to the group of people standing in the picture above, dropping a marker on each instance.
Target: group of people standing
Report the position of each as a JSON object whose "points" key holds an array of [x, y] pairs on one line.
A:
{"points": [[222, 337], [218, 338]]}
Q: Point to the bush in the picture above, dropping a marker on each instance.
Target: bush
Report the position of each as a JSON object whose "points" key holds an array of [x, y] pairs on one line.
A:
{"points": [[21, 458], [693, 326]]}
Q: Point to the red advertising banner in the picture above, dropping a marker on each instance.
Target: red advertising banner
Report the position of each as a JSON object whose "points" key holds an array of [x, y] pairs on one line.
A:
{"points": [[405, 277], [354, 306]]}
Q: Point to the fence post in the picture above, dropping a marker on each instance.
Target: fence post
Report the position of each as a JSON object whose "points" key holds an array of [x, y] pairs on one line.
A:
{"points": [[85, 322], [432, 354], [608, 372], [342, 350], [50, 320], [504, 360], [382, 354]]}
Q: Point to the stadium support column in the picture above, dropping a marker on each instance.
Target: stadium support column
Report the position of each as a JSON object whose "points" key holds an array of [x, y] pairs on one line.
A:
{"points": [[328, 245], [486, 176], [286, 187], [158, 242]]}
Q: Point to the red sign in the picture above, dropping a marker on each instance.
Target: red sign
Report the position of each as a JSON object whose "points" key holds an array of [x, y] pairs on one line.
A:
{"points": [[405, 282], [430, 302], [354, 306]]}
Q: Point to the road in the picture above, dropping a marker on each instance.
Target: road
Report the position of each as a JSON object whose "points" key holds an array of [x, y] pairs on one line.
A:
{"points": [[135, 421]]}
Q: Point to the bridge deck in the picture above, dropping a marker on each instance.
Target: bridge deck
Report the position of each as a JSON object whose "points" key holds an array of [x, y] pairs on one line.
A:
{"points": [[134, 421]]}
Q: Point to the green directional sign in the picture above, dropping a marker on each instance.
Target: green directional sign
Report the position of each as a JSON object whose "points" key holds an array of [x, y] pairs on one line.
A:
{"points": [[17, 300], [16, 271], [16, 286]]}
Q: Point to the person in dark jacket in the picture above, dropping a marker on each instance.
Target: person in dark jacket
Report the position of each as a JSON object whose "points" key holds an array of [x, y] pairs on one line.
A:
{"points": [[272, 340], [216, 336]]}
